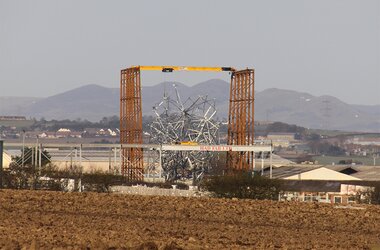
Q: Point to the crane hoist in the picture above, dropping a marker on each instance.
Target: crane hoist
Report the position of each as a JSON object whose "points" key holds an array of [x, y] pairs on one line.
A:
{"points": [[184, 68]]}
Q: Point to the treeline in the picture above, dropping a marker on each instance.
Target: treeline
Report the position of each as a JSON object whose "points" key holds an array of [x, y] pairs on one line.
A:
{"points": [[265, 129]]}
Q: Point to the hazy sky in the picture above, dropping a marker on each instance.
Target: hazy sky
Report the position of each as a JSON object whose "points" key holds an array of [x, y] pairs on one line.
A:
{"points": [[321, 47]]}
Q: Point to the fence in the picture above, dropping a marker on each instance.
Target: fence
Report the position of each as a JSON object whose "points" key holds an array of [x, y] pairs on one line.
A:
{"points": [[143, 190]]}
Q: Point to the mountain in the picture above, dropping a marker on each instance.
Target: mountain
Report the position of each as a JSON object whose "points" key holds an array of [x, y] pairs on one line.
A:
{"points": [[11, 105], [93, 102], [370, 109], [325, 112]]}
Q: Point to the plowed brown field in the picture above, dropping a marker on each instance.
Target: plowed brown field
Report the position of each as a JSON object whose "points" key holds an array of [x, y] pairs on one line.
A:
{"points": [[49, 220]]}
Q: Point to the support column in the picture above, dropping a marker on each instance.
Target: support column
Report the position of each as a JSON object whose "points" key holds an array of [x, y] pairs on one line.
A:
{"points": [[270, 163], [40, 159], [1, 163], [262, 163], [241, 119], [114, 160], [80, 158], [131, 124]]}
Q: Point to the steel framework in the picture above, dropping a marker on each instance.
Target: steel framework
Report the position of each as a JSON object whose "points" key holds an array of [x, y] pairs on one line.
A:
{"points": [[132, 166], [241, 119], [241, 116]]}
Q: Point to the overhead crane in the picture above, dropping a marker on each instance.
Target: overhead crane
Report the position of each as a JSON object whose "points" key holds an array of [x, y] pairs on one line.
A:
{"points": [[240, 119], [183, 68]]}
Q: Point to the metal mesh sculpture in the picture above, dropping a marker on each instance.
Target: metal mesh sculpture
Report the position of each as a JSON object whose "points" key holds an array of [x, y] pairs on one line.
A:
{"points": [[190, 122]]}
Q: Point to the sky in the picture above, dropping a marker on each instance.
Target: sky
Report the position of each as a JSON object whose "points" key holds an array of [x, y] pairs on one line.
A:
{"points": [[321, 47]]}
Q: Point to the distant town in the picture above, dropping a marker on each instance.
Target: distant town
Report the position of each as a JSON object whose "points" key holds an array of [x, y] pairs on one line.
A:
{"points": [[291, 142]]}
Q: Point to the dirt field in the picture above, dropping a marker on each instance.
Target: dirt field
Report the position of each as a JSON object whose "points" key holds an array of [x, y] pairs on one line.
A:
{"points": [[33, 219]]}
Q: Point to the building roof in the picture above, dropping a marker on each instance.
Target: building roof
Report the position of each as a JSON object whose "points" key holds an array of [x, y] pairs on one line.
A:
{"points": [[281, 133], [300, 172], [286, 171], [358, 172], [278, 160], [369, 173], [12, 118]]}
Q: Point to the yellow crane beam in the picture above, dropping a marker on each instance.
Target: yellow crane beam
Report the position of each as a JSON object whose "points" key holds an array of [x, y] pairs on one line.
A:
{"points": [[183, 68]]}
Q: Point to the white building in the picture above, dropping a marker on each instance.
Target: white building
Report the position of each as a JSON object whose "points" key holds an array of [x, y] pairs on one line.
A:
{"points": [[7, 159]]}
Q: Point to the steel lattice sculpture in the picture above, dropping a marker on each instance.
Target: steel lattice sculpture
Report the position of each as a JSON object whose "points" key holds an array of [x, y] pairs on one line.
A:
{"points": [[189, 122]]}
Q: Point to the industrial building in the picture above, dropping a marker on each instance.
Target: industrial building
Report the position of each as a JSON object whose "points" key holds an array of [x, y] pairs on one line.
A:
{"points": [[325, 183]]}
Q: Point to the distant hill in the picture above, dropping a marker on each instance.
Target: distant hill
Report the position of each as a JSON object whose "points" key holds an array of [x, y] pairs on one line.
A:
{"points": [[314, 112], [370, 109], [93, 102], [11, 105]]}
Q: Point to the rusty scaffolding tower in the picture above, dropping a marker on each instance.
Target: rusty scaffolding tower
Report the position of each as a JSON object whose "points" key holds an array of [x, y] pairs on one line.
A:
{"points": [[241, 119], [131, 124], [241, 116]]}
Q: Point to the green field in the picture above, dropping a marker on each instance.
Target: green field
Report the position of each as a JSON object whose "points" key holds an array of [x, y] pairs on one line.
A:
{"points": [[334, 133], [328, 160]]}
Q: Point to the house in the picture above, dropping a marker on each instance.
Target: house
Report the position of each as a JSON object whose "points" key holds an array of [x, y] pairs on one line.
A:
{"points": [[364, 141], [48, 135], [32, 134], [93, 132], [75, 134], [281, 136], [324, 191], [334, 184], [62, 133], [318, 183], [100, 132], [281, 139], [111, 132], [67, 133]]}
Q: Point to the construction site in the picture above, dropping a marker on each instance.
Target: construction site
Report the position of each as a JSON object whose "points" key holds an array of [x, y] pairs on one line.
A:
{"points": [[182, 146], [187, 130], [183, 141], [175, 125]]}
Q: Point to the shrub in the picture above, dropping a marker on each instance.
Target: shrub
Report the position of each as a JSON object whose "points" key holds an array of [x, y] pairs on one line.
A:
{"points": [[243, 185], [375, 194], [99, 181]]}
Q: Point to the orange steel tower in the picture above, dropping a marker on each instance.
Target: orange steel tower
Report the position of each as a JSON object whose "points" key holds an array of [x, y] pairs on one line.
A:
{"points": [[131, 124], [241, 119], [241, 113]]}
